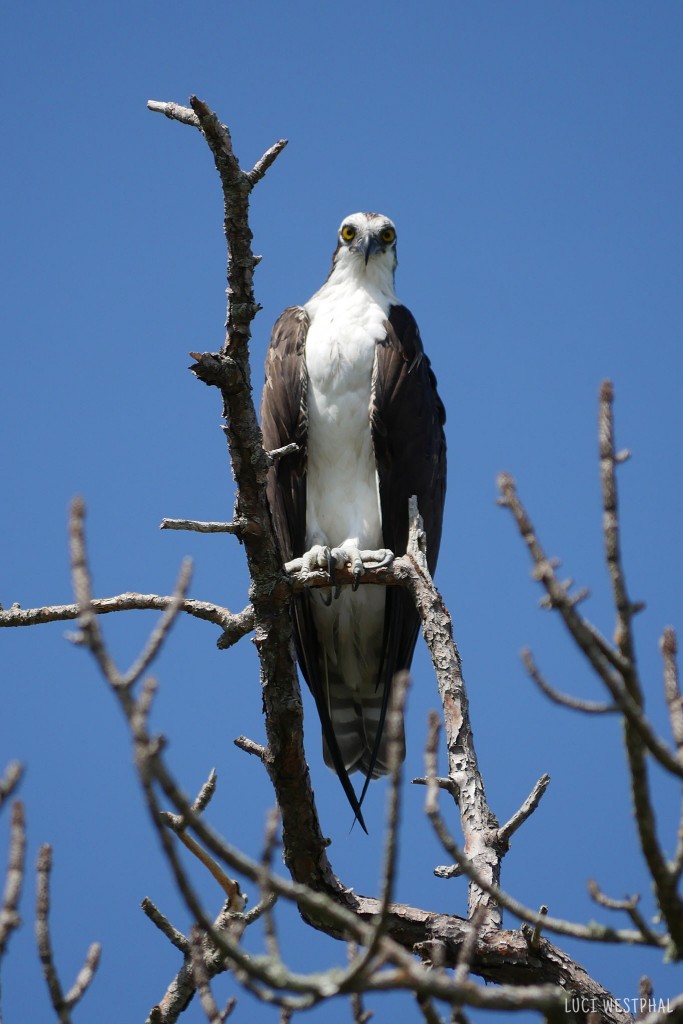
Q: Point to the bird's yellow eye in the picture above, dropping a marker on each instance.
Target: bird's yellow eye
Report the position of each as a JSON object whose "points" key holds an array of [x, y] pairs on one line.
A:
{"points": [[388, 235], [348, 232]]}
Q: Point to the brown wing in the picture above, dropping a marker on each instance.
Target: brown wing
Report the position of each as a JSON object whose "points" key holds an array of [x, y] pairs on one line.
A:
{"points": [[407, 418], [284, 418]]}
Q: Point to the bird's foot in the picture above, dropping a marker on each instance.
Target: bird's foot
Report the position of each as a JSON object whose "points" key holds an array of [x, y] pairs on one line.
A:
{"points": [[358, 561], [321, 556]]}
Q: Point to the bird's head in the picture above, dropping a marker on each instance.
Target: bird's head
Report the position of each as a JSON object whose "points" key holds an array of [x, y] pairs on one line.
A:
{"points": [[366, 241]]}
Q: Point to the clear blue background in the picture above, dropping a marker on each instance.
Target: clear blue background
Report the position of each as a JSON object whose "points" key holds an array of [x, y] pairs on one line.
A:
{"points": [[530, 154]]}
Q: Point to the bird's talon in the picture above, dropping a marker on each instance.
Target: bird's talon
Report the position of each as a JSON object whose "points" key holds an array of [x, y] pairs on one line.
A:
{"points": [[386, 559]]}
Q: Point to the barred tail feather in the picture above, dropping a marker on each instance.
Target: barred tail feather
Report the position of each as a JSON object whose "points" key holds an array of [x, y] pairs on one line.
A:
{"points": [[356, 719]]}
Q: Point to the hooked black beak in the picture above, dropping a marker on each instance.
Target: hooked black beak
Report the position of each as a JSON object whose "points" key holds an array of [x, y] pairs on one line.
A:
{"points": [[366, 246]]}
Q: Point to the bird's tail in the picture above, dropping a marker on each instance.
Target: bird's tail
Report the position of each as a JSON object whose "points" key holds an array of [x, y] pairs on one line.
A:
{"points": [[356, 719]]}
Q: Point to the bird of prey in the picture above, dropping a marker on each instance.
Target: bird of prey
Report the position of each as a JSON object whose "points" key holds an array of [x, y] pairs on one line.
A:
{"points": [[347, 379]]}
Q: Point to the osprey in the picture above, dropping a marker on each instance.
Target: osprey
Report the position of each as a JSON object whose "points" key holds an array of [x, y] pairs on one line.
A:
{"points": [[348, 381]]}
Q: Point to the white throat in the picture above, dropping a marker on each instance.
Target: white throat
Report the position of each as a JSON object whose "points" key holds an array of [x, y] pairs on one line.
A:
{"points": [[355, 281]]}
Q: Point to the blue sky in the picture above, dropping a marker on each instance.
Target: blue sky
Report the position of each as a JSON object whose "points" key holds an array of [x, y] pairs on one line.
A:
{"points": [[530, 154]]}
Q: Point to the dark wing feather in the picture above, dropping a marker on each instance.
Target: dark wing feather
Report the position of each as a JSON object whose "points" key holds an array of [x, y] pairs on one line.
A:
{"points": [[407, 418], [284, 418]]}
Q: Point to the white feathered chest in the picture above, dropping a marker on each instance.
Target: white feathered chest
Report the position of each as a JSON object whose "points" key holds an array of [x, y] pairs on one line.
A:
{"points": [[346, 322]]}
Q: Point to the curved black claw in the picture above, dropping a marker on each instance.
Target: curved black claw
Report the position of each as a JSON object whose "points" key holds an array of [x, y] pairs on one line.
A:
{"points": [[325, 594], [332, 571], [357, 573]]}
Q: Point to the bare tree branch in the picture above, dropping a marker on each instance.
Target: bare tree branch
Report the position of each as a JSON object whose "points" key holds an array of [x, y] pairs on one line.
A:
{"points": [[672, 690], [630, 905], [195, 526], [664, 879], [14, 773], [159, 634], [235, 626], [62, 1004], [202, 980], [174, 112], [590, 707], [174, 936], [16, 861], [525, 811]]}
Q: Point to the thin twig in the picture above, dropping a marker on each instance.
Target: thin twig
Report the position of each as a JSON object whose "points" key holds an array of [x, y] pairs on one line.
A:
{"points": [[428, 1010], [82, 587], [62, 1004], [43, 932], [256, 912], [14, 877], [270, 840], [10, 780], [358, 1012], [590, 707], [676, 865], [672, 691], [250, 747], [469, 946], [525, 811], [645, 993], [163, 627], [202, 981], [229, 886], [395, 748], [275, 454], [630, 906], [608, 461], [236, 526], [440, 781], [174, 936], [206, 793], [84, 976], [175, 112], [448, 871], [268, 158], [432, 795], [458, 1016], [533, 935]]}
